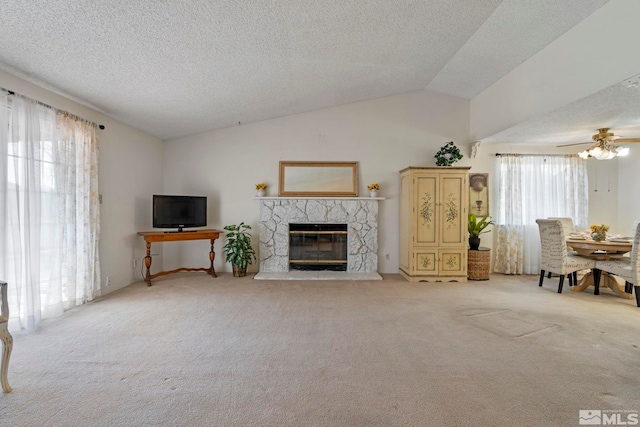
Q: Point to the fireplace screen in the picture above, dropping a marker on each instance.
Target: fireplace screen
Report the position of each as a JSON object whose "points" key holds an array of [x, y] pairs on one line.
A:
{"points": [[318, 247]]}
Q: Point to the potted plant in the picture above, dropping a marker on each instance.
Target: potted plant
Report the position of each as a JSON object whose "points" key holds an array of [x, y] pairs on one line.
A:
{"points": [[476, 228], [261, 189], [373, 189], [237, 248], [448, 155]]}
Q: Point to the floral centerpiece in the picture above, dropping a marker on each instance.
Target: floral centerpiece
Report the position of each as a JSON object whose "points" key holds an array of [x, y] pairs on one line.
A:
{"points": [[448, 155], [261, 189], [373, 189], [599, 232]]}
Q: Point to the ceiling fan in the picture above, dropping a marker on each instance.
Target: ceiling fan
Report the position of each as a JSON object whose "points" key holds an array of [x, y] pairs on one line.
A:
{"points": [[604, 147]]}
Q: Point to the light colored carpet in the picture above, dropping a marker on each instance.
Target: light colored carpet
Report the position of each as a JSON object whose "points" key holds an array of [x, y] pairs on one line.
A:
{"points": [[197, 351]]}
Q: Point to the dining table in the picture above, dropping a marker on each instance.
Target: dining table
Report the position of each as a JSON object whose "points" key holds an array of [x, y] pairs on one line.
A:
{"points": [[600, 250]]}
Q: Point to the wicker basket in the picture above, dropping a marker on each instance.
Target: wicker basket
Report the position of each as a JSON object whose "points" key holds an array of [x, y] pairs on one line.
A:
{"points": [[479, 264]]}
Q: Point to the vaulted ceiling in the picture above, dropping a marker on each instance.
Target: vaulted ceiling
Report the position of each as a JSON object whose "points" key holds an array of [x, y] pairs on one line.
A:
{"points": [[175, 68]]}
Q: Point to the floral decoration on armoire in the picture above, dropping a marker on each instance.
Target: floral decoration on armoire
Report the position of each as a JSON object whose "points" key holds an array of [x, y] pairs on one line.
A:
{"points": [[451, 262], [451, 210], [425, 261], [426, 209]]}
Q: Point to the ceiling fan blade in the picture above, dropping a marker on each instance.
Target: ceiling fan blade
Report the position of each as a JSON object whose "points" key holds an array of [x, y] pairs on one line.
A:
{"points": [[624, 140], [577, 143]]}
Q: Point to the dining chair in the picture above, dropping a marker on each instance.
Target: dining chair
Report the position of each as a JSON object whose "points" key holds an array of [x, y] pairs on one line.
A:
{"points": [[567, 225], [7, 339], [555, 258], [628, 268]]}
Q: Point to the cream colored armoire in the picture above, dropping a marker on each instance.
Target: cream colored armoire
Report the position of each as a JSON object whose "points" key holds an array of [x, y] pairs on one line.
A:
{"points": [[433, 223]]}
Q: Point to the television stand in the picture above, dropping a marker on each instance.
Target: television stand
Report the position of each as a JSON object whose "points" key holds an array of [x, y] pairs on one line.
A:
{"points": [[177, 236]]}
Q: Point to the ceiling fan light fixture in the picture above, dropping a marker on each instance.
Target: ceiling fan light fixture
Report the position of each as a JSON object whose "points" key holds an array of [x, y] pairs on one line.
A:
{"points": [[602, 155], [622, 151], [604, 151], [605, 147]]}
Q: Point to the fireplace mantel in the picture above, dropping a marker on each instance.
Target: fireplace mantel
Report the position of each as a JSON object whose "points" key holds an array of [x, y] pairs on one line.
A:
{"points": [[359, 213], [317, 198]]}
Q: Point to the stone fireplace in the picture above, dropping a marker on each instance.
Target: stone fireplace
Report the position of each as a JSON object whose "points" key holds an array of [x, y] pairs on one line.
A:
{"points": [[359, 215]]}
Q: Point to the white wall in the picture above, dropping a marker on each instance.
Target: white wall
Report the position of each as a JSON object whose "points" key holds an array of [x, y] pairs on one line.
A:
{"points": [[628, 202], [384, 135], [130, 171], [604, 194]]}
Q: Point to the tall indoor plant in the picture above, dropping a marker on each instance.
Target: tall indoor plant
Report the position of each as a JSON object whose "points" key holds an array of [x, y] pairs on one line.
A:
{"points": [[237, 248], [476, 228]]}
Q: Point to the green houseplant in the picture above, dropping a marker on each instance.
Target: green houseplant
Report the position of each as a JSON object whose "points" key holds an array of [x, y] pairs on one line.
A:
{"points": [[448, 154], [237, 248], [476, 228]]}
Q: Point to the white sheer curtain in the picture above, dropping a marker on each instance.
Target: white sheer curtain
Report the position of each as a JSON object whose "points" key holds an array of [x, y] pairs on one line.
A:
{"points": [[49, 220], [79, 209], [531, 187]]}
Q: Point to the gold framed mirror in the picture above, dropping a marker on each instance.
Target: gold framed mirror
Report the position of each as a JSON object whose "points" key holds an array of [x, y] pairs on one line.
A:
{"points": [[318, 179]]}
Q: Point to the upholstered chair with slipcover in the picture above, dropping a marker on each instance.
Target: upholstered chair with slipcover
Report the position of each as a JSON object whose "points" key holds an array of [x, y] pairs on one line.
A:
{"points": [[628, 268], [555, 258]]}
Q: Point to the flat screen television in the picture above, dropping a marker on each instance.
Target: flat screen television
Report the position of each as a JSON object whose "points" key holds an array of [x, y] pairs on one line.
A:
{"points": [[179, 211]]}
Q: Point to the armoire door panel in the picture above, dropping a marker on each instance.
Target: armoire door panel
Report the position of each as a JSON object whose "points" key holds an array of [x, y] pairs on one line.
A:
{"points": [[425, 218], [452, 209], [426, 262], [452, 262]]}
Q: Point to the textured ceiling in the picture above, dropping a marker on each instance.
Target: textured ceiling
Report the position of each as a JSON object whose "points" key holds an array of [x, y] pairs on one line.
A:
{"points": [[175, 68], [617, 107]]}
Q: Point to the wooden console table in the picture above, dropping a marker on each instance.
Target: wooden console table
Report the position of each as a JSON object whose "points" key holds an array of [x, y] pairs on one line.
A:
{"points": [[168, 236]]}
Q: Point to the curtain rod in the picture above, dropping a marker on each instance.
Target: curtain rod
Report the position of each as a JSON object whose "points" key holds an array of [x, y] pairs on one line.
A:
{"points": [[10, 92], [538, 155]]}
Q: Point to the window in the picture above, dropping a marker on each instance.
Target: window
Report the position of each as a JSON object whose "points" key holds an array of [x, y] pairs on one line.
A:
{"points": [[531, 187], [48, 222]]}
